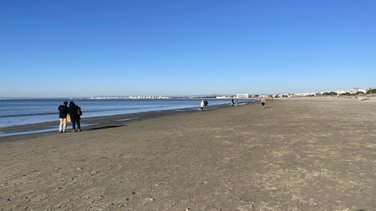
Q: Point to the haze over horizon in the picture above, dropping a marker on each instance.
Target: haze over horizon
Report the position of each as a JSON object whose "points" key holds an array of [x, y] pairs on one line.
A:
{"points": [[118, 48]]}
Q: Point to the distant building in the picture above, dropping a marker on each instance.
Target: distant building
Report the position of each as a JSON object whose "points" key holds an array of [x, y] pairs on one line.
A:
{"points": [[222, 97], [306, 94], [242, 96], [148, 97], [341, 92], [357, 90]]}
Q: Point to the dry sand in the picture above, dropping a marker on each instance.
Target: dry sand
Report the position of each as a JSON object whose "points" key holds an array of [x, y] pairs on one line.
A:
{"points": [[302, 154]]}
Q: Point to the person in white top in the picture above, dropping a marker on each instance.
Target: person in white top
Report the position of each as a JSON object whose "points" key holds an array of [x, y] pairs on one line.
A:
{"points": [[202, 105]]}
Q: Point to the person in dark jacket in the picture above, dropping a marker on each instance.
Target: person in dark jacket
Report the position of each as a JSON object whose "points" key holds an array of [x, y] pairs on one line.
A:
{"points": [[63, 110], [75, 115], [206, 104]]}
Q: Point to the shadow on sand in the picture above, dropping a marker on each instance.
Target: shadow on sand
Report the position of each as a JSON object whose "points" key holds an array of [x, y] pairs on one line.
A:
{"points": [[104, 127]]}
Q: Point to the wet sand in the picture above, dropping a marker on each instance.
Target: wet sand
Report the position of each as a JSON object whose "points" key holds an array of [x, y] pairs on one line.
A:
{"points": [[297, 154]]}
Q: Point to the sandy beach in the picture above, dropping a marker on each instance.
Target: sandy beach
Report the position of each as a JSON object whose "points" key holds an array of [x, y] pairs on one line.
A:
{"points": [[297, 154]]}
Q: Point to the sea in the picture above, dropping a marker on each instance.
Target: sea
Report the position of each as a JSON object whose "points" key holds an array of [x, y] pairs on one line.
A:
{"points": [[15, 112]]}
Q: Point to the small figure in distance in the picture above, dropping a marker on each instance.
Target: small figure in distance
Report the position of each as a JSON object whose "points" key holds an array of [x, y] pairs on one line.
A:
{"points": [[263, 102], [206, 103], [63, 111], [232, 101], [202, 104]]}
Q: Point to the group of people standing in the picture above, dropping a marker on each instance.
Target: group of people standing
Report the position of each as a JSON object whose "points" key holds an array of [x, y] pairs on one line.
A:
{"points": [[71, 113]]}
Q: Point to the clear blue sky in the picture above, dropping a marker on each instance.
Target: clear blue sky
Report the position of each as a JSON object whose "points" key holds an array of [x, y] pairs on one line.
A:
{"points": [[159, 47]]}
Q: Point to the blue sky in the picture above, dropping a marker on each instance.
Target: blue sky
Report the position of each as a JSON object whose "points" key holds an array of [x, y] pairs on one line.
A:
{"points": [[165, 47]]}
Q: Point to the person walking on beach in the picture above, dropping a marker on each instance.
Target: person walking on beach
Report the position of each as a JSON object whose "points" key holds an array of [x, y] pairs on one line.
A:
{"points": [[234, 102], [75, 115], [263, 102], [202, 105], [206, 104], [63, 111]]}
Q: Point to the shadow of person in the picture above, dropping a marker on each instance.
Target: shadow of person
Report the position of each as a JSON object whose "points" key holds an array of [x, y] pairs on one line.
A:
{"points": [[103, 127]]}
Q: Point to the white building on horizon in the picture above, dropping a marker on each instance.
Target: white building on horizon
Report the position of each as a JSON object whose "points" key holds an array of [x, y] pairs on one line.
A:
{"points": [[148, 97], [356, 90], [222, 97], [242, 96]]}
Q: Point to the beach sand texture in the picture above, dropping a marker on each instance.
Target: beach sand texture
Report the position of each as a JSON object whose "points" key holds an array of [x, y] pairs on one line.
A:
{"points": [[301, 154]]}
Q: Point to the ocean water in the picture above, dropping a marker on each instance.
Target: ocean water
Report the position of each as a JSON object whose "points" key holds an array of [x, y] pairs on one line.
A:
{"points": [[29, 111]]}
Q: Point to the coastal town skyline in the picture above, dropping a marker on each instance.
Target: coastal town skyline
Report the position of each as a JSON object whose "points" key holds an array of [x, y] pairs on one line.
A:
{"points": [[169, 48], [350, 92]]}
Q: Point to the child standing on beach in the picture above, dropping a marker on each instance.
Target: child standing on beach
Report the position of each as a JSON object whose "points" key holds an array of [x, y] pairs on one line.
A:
{"points": [[63, 111]]}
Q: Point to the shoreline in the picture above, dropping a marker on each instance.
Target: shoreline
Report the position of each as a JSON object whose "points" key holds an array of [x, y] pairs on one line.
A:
{"points": [[21, 132]]}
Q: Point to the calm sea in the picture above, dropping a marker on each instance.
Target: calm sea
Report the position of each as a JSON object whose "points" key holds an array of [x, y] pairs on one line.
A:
{"points": [[22, 112]]}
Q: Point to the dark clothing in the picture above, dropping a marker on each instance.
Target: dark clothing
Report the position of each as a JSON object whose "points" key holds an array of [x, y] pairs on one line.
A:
{"points": [[75, 112], [76, 122], [206, 102], [63, 110]]}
